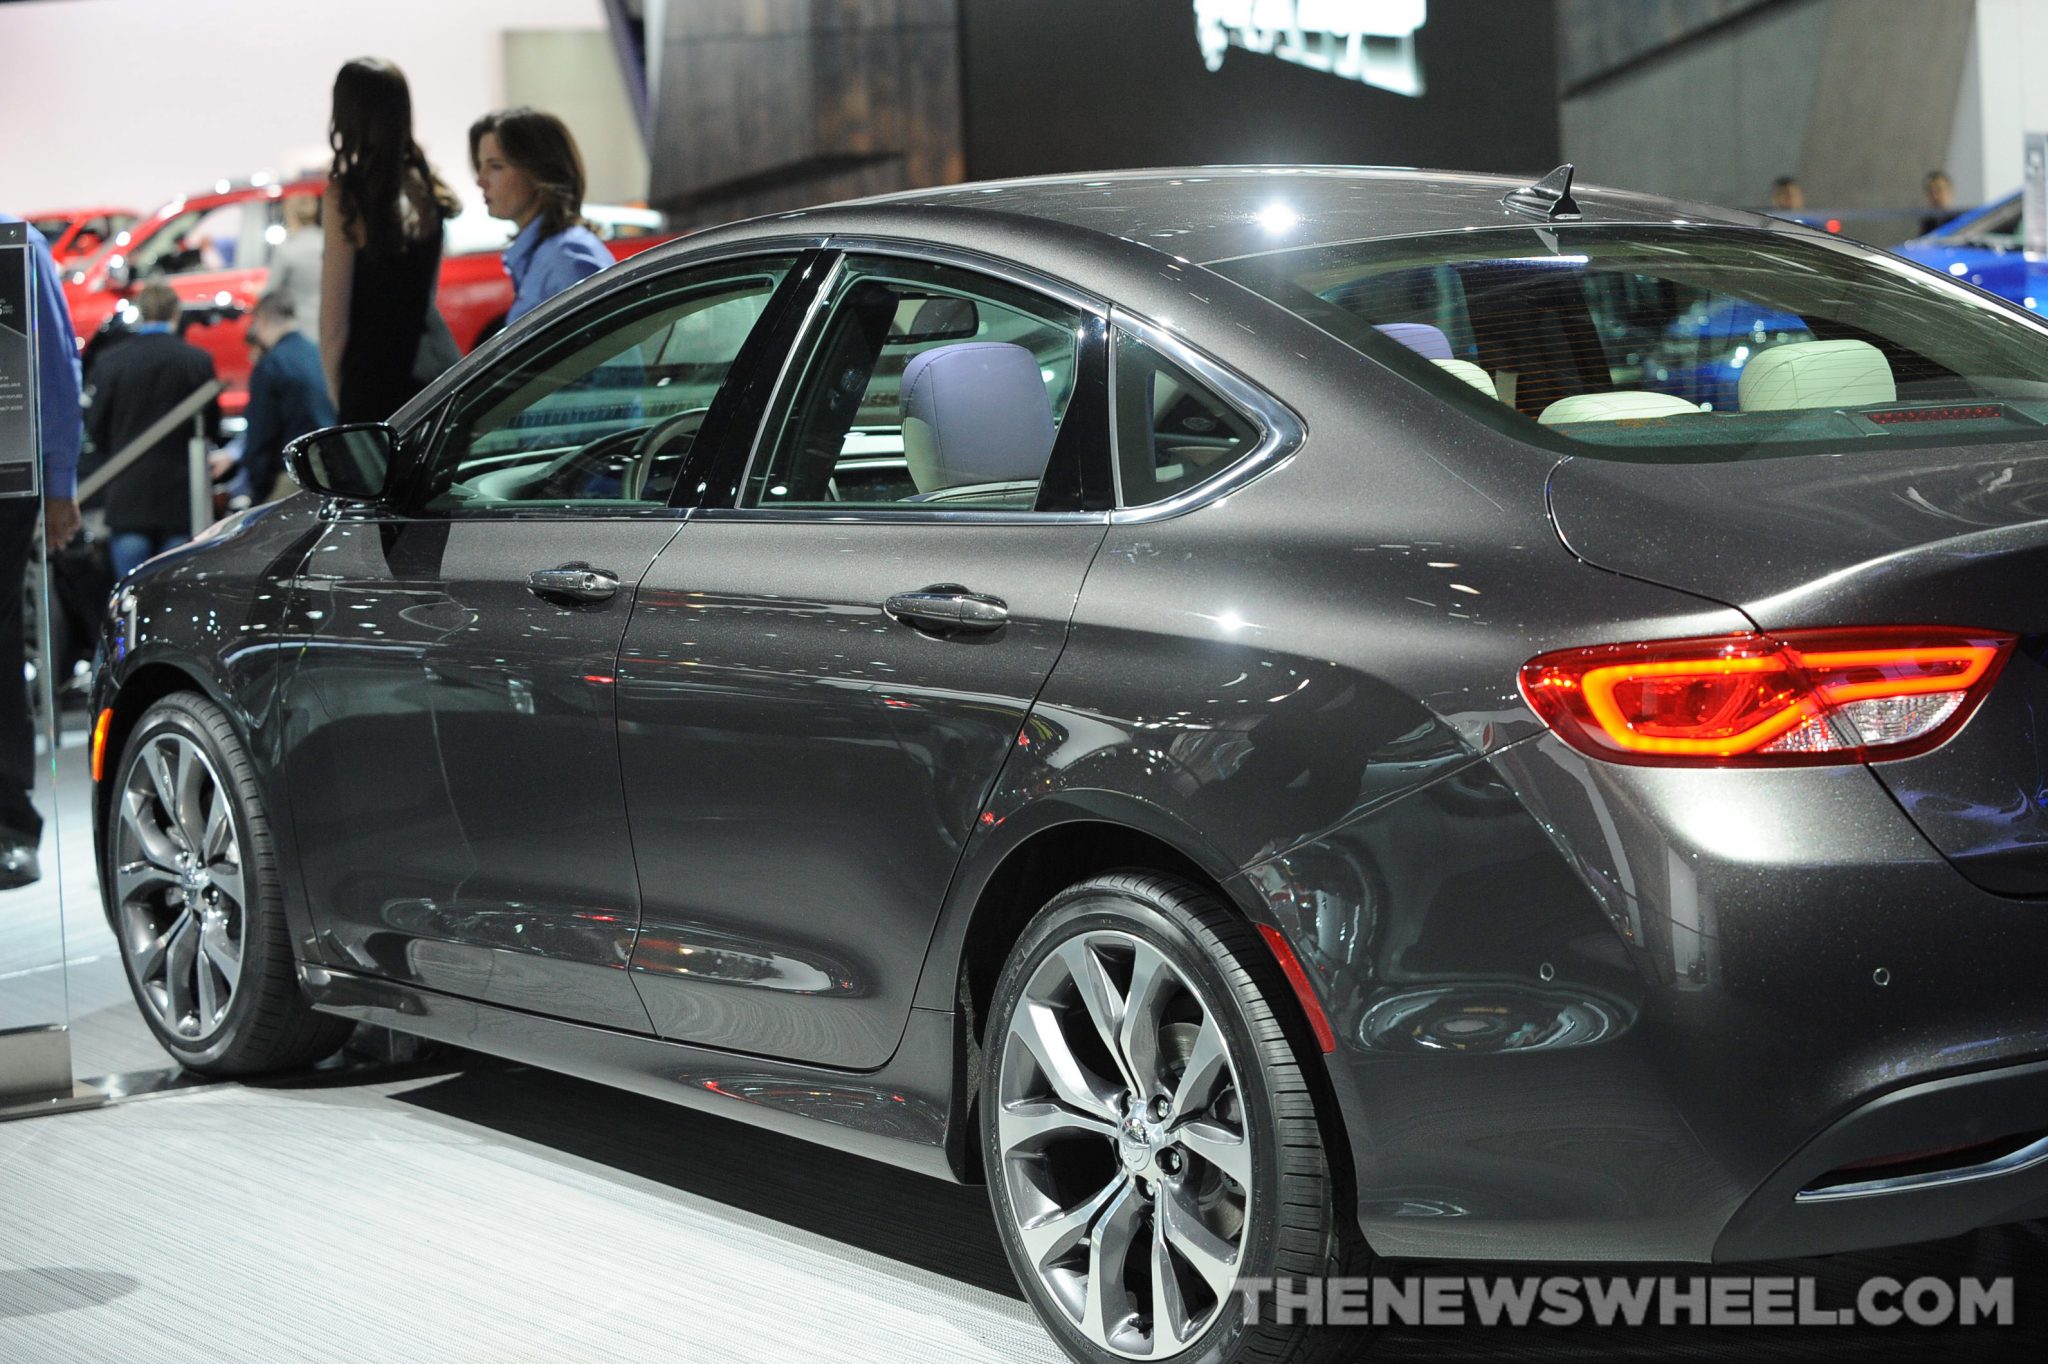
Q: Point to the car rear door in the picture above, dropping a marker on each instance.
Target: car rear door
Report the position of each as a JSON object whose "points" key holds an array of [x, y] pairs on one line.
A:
{"points": [[826, 673], [455, 764]]}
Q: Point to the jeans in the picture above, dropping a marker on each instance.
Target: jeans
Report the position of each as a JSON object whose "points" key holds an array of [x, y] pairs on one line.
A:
{"points": [[129, 548], [18, 517]]}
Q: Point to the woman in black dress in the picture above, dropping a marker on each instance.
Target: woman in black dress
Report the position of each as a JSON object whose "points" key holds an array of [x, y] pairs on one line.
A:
{"points": [[383, 253]]}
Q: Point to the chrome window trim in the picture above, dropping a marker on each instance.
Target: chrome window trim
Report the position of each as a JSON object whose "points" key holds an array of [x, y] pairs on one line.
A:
{"points": [[497, 516], [1023, 276], [640, 267], [956, 258], [821, 297], [934, 516], [1281, 431], [1116, 464], [2027, 1157]]}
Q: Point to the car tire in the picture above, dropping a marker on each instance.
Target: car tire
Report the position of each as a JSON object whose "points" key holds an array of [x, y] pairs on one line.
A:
{"points": [[195, 899], [1161, 954]]}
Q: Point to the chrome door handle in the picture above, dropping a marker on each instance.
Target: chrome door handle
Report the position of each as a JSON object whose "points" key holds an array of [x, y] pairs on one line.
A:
{"points": [[948, 607], [574, 582]]}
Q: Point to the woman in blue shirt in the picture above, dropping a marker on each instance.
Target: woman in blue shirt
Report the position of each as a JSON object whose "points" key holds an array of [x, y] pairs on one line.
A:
{"points": [[529, 170]]}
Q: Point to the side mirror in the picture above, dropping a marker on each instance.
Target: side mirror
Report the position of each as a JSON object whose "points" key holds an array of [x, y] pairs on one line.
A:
{"points": [[120, 275], [353, 463]]}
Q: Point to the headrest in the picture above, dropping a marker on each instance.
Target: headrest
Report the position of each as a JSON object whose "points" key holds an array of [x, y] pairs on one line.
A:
{"points": [[1816, 374], [1614, 407], [976, 412], [1470, 373], [1426, 341]]}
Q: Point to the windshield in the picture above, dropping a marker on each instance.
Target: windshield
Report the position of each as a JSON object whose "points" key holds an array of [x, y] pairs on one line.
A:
{"points": [[198, 239], [1676, 342], [1998, 227], [51, 228]]}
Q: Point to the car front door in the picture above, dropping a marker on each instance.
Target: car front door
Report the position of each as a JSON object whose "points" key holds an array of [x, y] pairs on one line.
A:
{"points": [[453, 757], [825, 674]]}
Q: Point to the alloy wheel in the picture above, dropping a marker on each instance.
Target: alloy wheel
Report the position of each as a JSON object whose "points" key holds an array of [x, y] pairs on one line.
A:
{"points": [[1124, 1147], [179, 886]]}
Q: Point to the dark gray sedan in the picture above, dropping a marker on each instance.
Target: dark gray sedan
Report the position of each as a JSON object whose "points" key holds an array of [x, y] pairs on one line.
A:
{"points": [[1251, 709]]}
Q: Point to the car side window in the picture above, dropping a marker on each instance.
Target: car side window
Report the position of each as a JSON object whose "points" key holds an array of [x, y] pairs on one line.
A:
{"points": [[90, 234], [926, 387], [196, 240], [600, 413], [1173, 432]]}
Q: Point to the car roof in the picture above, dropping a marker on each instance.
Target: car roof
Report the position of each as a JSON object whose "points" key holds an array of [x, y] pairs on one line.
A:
{"points": [[237, 191], [1204, 214], [76, 213]]}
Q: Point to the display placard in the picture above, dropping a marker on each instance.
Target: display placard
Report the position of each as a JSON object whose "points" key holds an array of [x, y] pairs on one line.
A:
{"points": [[20, 456]]}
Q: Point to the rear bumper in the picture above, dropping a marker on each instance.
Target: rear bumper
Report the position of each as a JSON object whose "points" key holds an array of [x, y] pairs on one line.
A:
{"points": [[1993, 1128], [1596, 1013]]}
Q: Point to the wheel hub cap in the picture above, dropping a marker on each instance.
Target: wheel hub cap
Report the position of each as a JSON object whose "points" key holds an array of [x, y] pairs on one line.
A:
{"points": [[178, 887], [1126, 1166]]}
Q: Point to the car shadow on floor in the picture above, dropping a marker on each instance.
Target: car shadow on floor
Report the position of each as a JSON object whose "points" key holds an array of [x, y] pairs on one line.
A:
{"points": [[939, 1227], [945, 1229]]}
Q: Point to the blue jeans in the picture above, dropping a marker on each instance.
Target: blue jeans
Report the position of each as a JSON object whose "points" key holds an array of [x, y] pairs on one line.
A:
{"points": [[129, 548]]}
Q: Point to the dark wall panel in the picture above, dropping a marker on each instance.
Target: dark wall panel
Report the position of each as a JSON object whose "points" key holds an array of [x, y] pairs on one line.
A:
{"points": [[764, 105], [1061, 85], [1596, 36]]}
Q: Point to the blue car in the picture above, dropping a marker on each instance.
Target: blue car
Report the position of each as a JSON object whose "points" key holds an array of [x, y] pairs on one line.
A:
{"points": [[1702, 352], [1985, 247]]}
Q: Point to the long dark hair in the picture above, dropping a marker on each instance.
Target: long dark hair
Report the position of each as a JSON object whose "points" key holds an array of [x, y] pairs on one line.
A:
{"points": [[540, 145], [376, 162]]}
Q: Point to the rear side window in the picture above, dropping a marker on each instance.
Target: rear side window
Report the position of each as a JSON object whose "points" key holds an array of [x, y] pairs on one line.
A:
{"points": [[1676, 343], [1173, 432]]}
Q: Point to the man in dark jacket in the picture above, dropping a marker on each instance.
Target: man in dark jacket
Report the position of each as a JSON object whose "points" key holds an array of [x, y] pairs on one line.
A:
{"points": [[56, 413], [149, 507], [287, 391]]}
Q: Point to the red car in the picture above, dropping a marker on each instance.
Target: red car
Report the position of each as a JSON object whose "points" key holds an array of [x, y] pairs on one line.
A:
{"points": [[215, 249], [75, 233]]}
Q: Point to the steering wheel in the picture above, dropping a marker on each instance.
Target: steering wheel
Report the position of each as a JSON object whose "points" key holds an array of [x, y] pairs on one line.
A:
{"points": [[651, 444], [564, 475]]}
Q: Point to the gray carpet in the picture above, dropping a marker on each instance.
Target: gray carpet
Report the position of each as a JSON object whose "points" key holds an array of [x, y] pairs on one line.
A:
{"points": [[349, 1221]]}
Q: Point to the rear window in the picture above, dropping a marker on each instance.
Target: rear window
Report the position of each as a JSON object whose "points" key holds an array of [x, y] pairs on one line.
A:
{"points": [[1676, 343]]}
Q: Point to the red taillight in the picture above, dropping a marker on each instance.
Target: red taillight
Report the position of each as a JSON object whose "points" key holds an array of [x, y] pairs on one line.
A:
{"points": [[1798, 696]]}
